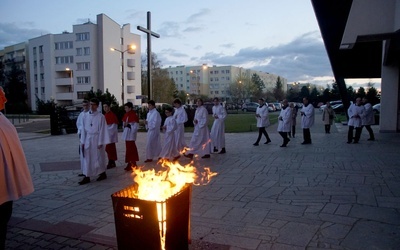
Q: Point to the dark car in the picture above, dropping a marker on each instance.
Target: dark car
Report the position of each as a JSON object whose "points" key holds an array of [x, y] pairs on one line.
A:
{"points": [[250, 106], [338, 108]]}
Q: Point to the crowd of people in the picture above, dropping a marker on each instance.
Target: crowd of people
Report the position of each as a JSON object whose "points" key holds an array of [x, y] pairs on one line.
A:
{"points": [[98, 135]]}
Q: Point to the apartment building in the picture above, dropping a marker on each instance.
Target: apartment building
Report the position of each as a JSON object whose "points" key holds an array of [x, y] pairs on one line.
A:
{"points": [[214, 81], [64, 67]]}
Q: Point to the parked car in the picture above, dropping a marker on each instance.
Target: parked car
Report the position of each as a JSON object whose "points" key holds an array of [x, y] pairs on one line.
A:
{"points": [[250, 106], [321, 108], [338, 108], [278, 106], [271, 107], [376, 108]]}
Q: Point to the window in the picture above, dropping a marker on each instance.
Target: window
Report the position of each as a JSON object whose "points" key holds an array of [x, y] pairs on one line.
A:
{"points": [[222, 92], [41, 63], [42, 76], [83, 66], [227, 71], [42, 90], [211, 72], [41, 49], [36, 91], [181, 72], [83, 80], [64, 59], [211, 79], [216, 72], [222, 71], [216, 92], [176, 72], [181, 79], [35, 64], [35, 77], [211, 92], [83, 36], [78, 51], [228, 78], [181, 85], [34, 50], [63, 45], [216, 79], [81, 94], [86, 51]]}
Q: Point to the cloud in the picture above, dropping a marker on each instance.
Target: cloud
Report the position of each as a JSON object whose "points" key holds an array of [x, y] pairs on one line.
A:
{"points": [[199, 15], [227, 45], [169, 29], [11, 33]]}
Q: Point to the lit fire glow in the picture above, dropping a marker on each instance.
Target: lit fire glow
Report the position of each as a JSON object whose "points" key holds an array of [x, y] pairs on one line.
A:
{"points": [[160, 185]]}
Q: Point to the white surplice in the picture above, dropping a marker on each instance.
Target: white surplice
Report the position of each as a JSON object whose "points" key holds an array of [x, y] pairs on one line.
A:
{"points": [[217, 133], [307, 119], [200, 142], [169, 149], [180, 118], [153, 146]]}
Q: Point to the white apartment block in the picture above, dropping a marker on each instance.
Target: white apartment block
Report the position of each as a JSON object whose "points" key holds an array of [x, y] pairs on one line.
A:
{"points": [[214, 81], [64, 67]]}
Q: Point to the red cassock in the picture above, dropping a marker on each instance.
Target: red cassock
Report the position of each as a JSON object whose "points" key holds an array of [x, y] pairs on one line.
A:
{"points": [[131, 154], [112, 123]]}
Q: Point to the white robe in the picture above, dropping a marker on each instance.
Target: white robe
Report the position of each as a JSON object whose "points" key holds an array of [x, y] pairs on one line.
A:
{"points": [[200, 142], [218, 128], [180, 117], [355, 113], [368, 117], [307, 120], [263, 120], [169, 149], [284, 120], [15, 178], [153, 146], [94, 134], [79, 126]]}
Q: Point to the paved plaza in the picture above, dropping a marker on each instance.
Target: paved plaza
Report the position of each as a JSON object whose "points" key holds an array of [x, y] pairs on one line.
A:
{"points": [[329, 194]]}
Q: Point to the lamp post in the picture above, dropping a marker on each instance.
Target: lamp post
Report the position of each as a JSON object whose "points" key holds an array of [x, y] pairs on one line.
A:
{"points": [[72, 83], [131, 50]]}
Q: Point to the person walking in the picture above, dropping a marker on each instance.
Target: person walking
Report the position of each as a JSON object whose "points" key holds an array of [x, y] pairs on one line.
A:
{"points": [[355, 112], [368, 118], [307, 120], [130, 123], [153, 126], [112, 127], [284, 122], [180, 116], [293, 115], [94, 137], [217, 134], [328, 115], [169, 150], [15, 178], [262, 118], [79, 126], [200, 141]]}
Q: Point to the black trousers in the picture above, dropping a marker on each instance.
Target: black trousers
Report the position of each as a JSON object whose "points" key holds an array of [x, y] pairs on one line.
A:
{"points": [[327, 128], [370, 131], [356, 136], [262, 131], [285, 138], [306, 135], [5, 215]]}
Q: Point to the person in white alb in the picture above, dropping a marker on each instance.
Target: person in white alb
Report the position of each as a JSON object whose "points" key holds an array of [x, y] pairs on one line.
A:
{"points": [[355, 112], [368, 118], [94, 138], [169, 150], [284, 122], [217, 134], [153, 126], [307, 120], [180, 116], [262, 118], [200, 142], [79, 126]]}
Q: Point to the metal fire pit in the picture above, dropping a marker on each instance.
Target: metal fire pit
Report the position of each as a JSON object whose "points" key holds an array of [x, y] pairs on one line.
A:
{"points": [[137, 224]]}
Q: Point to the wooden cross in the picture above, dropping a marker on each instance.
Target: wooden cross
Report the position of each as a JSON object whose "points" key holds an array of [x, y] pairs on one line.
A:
{"points": [[149, 34]]}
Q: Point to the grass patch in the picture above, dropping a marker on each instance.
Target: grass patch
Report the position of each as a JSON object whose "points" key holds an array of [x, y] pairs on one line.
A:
{"points": [[238, 123], [340, 118]]}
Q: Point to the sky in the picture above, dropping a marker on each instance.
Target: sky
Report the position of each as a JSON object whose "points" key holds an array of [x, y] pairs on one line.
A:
{"points": [[276, 36]]}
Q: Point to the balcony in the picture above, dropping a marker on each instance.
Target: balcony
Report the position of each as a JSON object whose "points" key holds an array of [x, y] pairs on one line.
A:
{"points": [[130, 75], [130, 63], [63, 81], [64, 96]]}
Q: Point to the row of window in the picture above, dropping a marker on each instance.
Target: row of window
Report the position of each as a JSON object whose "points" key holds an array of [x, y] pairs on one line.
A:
{"points": [[83, 36], [64, 59], [63, 45], [226, 71], [85, 51], [40, 49]]}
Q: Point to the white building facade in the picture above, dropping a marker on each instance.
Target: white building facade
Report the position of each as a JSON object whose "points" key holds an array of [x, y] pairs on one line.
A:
{"points": [[214, 81], [64, 67]]}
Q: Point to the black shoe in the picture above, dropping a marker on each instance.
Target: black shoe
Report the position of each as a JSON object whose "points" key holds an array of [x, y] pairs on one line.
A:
{"points": [[223, 151], [268, 141], [283, 145], [355, 142], [111, 164], [148, 160], [176, 158], [206, 156], [102, 176], [255, 144], [190, 156], [81, 175], [306, 142], [84, 181], [215, 150], [128, 167], [348, 142], [371, 139]]}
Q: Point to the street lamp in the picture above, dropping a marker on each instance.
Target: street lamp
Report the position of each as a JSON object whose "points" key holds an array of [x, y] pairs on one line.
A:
{"points": [[72, 83], [131, 50]]}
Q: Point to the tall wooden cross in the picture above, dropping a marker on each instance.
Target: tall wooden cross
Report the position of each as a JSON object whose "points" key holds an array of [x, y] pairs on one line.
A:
{"points": [[149, 34]]}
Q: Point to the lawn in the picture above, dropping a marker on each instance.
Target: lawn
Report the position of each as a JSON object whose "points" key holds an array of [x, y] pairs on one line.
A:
{"points": [[237, 123]]}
